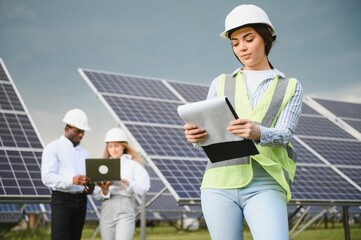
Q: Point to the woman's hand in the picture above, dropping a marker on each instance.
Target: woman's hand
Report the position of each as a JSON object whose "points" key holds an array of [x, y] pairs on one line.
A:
{"points": [[245, 128], [125, 182], [105, 186], [194, 133]]}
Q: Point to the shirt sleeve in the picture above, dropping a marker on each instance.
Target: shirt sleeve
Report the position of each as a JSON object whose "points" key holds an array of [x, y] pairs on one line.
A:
{"points": [[141, 180], [286, 123], [98, 193], [50, 169], [212, 92]]}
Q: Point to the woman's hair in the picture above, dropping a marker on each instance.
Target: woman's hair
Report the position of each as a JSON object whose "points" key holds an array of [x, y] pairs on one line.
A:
{"points": [[127, 150], [264, 31]]}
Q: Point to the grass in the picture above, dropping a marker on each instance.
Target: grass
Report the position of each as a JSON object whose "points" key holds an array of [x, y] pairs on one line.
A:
{"points": [[164, 231]]}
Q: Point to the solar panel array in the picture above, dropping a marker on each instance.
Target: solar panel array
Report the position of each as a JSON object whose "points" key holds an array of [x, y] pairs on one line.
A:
{"points": [[15, 212], [328, 162], [147, 108], [20, 147], [20, 157]]}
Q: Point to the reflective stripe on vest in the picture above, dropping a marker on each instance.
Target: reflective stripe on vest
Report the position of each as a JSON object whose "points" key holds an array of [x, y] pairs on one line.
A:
{"points": [[276, 97], [273, 109], [279, 93]]}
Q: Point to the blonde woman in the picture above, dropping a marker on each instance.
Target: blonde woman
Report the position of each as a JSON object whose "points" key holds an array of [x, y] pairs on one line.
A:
{"points": [[117, 220]]}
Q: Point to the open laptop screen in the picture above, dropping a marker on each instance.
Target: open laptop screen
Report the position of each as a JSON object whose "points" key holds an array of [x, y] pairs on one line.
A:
{"points": [[101, 169]]}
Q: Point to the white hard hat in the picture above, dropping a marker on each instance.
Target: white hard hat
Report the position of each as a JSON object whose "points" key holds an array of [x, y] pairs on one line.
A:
{"points": [[77, 118], [115, 135], [243, 15]]}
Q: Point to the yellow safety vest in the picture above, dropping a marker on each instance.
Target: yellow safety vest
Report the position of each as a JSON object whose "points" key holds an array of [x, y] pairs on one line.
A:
{"points": [[278, 161]]}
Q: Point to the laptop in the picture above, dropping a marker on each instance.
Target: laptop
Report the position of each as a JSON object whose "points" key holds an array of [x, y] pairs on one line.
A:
{"points": [[101, 169]]}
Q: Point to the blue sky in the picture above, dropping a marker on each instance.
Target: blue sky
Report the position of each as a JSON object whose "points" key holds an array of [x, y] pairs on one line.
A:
{"points": [[43, 43]]}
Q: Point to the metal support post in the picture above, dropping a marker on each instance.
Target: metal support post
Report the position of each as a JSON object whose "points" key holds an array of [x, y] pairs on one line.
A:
{"points": [[143, 218], [345, 223]]}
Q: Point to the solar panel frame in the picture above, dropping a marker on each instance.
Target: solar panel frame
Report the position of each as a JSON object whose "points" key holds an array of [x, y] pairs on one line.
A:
{"points": [[356, 124]]}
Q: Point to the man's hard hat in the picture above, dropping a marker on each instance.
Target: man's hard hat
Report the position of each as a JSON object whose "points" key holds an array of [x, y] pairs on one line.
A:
{"points": [[243, 15], [77, 118], [115, 135]]}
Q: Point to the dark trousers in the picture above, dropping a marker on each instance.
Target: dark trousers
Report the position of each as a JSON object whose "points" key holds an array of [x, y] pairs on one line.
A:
{"points": [[67, 215]]}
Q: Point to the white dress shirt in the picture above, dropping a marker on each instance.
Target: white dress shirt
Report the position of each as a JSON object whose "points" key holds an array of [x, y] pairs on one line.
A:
{"points": [[61, 161]]}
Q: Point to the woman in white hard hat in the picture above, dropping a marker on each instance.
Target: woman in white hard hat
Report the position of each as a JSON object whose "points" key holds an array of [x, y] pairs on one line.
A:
{"points": [[254, 188], [117, 220]]}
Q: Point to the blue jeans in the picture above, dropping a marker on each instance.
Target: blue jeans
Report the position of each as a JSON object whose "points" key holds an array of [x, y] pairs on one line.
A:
{"points": [[262, 204]]}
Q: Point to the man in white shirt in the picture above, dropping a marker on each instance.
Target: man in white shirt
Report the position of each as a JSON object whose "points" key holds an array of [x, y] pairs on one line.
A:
{"points": [[63, 170]]}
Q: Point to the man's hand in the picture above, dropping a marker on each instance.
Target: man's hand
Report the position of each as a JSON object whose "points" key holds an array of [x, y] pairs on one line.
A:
{"points": [[81, 180], [89, 189]]}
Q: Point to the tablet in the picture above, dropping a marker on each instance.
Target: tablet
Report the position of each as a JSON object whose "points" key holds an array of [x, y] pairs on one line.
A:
{"points": [[214, 115]]}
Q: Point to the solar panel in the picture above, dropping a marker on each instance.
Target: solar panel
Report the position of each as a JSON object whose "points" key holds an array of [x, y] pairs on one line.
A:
{"points": [[10, 213], [304, 156], [320, 184], [130, 85], [321, 127], [353, 173], [3, 72], [341, 109], [184, 175], [153, 123], [356, 124], [191, 93], [338, 152], [349, 112], [9, 99], [145, 110], [163, 141], [329, 156], [161, 203], [307, 110], [20, 147]]}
